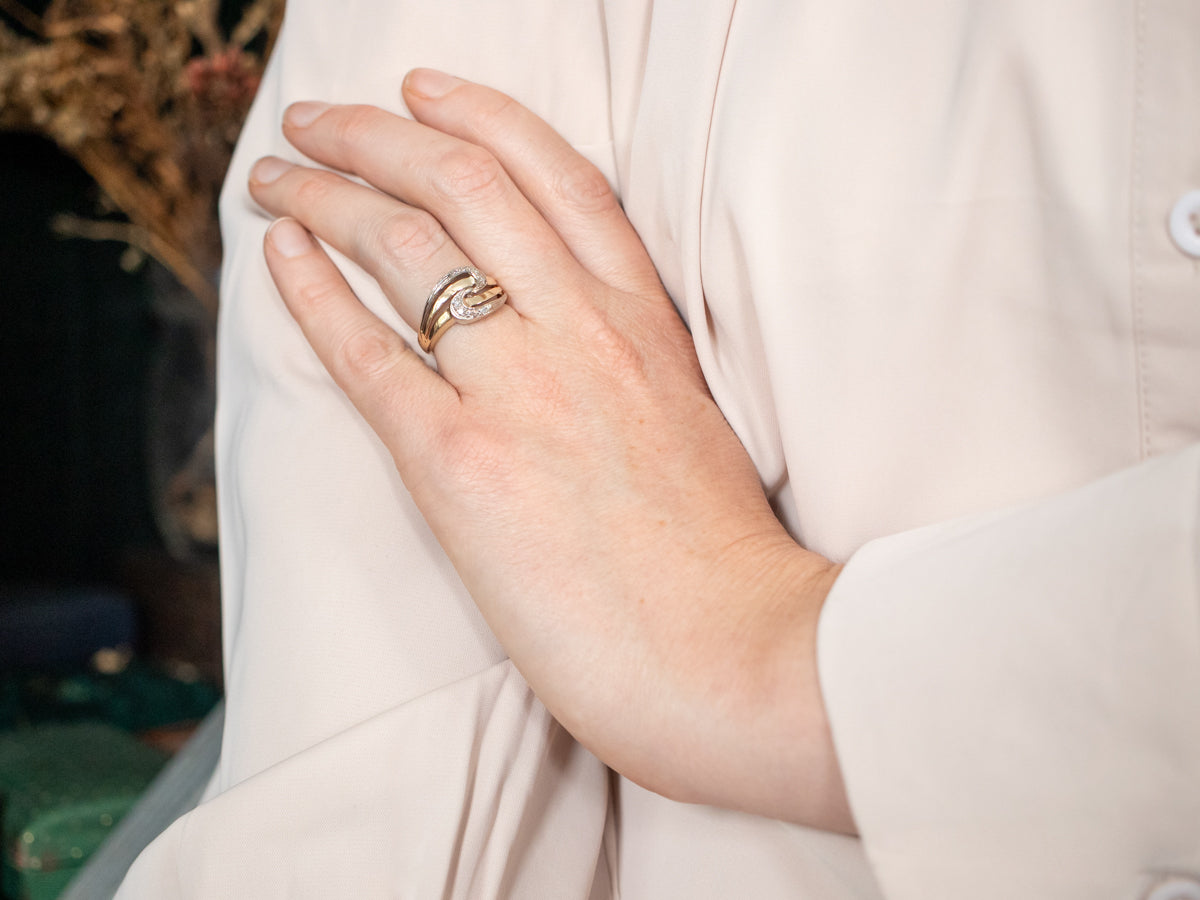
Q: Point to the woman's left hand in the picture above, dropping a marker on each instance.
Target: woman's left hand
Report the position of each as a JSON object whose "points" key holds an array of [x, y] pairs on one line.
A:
{"points": [[566, 451]]}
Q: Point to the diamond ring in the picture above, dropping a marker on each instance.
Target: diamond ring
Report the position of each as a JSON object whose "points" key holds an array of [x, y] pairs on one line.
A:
{"points": [[461, 295]]}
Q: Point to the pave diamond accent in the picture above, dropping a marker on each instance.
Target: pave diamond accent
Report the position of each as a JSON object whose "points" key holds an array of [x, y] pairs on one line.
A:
{"points": [[453, 299], [461, 310]]}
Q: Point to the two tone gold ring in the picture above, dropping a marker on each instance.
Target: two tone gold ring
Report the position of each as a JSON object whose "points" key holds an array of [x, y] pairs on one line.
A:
{"points": [[461, 295]]}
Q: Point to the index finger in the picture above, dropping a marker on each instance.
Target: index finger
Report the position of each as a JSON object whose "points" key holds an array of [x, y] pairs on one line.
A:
{"points": [[570, 191]]}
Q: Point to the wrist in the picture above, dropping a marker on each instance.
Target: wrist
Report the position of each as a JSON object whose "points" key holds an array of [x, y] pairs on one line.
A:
{"points": [[742, 723]]}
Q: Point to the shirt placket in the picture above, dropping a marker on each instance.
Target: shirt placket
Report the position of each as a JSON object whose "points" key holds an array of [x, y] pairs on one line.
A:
{"points": [[1166, 223]]}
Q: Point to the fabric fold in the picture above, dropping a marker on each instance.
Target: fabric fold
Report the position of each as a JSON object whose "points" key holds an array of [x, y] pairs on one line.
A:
{"points": [[1063, 755], [472, 790]]}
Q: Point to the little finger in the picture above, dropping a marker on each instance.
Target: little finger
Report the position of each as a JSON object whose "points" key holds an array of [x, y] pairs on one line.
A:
{"points": [[401, 398]]}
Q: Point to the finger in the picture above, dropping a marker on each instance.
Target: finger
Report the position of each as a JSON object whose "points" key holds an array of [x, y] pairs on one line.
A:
{"points": [[404, 249], [569, 191], [400, 397], [461, 184]]}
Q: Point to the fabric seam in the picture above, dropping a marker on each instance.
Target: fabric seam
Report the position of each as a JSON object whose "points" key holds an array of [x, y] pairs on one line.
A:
{"points": [[1137, 229]]}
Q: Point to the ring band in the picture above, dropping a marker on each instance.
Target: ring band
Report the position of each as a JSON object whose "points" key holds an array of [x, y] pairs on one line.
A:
{"points": [[461, 295]]}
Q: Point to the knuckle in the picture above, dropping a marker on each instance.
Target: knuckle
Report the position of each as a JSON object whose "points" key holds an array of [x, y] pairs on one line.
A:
{"points": [[356, 125], [314, 296], [583, 187], [366, 354], [410, 236], [494, 112], [469, 172], [315, 189], [614, 352]]}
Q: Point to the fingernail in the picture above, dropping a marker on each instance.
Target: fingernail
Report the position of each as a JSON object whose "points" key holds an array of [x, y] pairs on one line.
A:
{"points": [[289, 238], [430, 84], [268, 169], [300, 114]]}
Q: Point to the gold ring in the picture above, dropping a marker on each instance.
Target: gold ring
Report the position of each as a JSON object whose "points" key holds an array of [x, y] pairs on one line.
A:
{"points": [[461, 295]]}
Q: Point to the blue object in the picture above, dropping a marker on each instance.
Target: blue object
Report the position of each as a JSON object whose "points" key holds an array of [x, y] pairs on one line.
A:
{"points": [[62, 626]]}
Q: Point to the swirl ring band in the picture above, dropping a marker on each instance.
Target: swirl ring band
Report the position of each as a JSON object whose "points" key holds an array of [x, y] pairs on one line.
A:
{"points": [[461, 295]]}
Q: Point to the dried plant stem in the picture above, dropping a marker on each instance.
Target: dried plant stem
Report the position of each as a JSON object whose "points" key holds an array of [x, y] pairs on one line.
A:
{"points": [[69, 225], [105, 24], [143, 206], [204, 26], [18, 13], [187, 273], [258, 16], [148, 96]]}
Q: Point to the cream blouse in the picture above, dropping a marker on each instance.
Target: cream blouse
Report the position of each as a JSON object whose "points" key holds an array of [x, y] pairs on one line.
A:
{"points": [[925, 251]]}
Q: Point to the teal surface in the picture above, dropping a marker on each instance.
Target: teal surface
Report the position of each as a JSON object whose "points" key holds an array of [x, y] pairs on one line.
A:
{"points": [[63, 787]]}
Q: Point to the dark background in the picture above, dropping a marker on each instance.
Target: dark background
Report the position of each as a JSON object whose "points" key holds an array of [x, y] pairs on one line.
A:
{"points": [[105, 389], [76, 343]]}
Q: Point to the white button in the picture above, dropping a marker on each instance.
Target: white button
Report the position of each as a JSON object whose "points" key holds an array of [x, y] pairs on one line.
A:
{"points": [[1185, 223], [1175, 888]]}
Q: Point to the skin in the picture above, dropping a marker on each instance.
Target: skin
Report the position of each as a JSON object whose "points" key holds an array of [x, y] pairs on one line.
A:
{"points": [[565, 451]]}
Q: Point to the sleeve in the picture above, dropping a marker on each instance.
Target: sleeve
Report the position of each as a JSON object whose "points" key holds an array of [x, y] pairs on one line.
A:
{"points": [[377, 742], [1015, 697]]}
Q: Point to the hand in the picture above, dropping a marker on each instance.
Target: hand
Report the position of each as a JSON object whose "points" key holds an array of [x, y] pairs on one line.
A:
{"points": [[566, 451]]}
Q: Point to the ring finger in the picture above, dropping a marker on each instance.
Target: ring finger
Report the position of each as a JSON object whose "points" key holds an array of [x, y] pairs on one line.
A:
{"points": [[404, 249]]}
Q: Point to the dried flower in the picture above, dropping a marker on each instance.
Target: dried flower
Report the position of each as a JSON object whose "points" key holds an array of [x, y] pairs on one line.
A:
{"points": [[148, 96]]}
